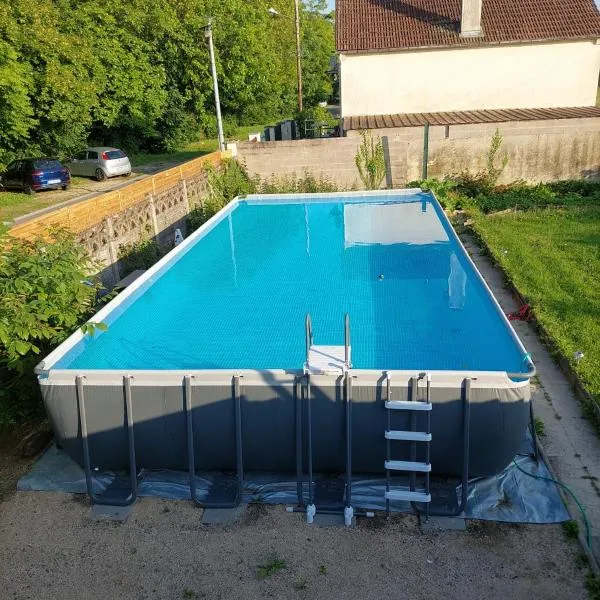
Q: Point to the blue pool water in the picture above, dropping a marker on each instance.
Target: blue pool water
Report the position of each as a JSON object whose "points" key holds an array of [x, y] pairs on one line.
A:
{"points": [[238, 297]]}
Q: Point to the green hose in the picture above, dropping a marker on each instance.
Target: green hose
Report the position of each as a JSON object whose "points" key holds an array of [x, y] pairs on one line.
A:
{"points": [[588, 529]]}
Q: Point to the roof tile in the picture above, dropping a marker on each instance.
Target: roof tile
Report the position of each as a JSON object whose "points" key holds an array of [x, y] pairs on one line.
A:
{"points": [[367, 25]]}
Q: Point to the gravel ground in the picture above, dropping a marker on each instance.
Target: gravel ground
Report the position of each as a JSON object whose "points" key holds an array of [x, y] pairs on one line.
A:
{"points": [[50, 549]]}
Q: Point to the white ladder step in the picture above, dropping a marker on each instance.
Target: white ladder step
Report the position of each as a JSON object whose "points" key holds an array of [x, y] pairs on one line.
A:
{"points": [[408, 436], [408, 496], [407, 405], [407, 465]]}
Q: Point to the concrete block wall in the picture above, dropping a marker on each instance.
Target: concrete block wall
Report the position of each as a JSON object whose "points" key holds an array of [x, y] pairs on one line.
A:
{"points": [[538, 151], [330, 158]]}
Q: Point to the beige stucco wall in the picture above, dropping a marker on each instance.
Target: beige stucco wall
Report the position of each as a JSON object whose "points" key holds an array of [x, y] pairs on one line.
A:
{"points": [[516, 76]]}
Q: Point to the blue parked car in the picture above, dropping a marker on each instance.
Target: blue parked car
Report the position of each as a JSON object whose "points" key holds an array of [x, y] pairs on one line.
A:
{"points": [[31, 175]]}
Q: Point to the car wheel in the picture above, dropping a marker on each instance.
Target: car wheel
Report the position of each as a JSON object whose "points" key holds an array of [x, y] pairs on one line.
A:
{"points": [[100, 175], [29, 190], [65, 187]]}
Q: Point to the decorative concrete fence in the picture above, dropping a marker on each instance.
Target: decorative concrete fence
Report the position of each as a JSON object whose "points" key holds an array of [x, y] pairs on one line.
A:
{"points": [[149, 209]]}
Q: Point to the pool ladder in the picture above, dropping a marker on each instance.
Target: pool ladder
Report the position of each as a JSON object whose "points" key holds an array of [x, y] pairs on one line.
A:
{"points": [[412, 437]]}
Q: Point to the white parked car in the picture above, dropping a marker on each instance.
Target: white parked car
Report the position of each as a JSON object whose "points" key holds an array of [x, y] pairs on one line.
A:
{"points": [[100, 163]]}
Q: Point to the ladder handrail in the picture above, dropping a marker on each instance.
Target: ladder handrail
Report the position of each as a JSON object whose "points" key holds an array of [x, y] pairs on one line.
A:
{"points": [[347, 341], [309, 336]]}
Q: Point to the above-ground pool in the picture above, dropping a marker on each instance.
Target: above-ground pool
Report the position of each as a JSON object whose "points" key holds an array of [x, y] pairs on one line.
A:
{"points": [[209, 347]]}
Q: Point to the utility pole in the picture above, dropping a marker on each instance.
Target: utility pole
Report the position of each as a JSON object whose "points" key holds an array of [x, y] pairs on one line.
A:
{"points": [[298, 55], [213, 66]]}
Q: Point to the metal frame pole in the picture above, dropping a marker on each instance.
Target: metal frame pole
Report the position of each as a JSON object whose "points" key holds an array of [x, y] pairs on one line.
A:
{"points": [[299, 469], [425, 151]]}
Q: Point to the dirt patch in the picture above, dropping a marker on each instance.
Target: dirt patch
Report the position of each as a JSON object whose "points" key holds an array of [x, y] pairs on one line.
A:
{"points": [[160, 554], [12, 463]]}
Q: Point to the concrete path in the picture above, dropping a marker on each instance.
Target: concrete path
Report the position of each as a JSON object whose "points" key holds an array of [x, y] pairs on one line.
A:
{"points": [[571, 442]]}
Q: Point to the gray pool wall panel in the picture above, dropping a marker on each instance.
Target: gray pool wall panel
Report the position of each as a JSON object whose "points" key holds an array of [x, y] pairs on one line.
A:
{"points": [[499, 417]]}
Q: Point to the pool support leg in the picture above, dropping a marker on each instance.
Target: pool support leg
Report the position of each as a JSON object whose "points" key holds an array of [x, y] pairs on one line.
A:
{"points": [[299, 468], [89, 479], [348, 510], [238, 446], [311, 509]]}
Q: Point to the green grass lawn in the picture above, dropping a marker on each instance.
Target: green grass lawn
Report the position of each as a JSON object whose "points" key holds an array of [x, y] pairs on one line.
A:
{"points": [[178, 156], [193, 149], [553, 257], [15, 204]]}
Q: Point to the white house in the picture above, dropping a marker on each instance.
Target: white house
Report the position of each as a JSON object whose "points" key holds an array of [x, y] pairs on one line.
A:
{"points": [[435, 56]]}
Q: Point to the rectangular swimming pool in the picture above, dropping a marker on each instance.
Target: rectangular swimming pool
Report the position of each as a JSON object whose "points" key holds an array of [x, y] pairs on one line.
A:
{"points": [[227, 308]]}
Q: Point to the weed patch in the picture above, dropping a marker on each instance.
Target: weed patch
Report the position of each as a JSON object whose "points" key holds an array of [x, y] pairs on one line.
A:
{"points": [[273, 565], [571, 529]]}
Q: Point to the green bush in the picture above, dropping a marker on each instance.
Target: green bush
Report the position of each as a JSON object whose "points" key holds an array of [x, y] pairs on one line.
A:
{"points": [[584, 188], [444, 190], [223, 185], [292, 184], [45, 294], [517, 195], [474, 192], [139, 255]]}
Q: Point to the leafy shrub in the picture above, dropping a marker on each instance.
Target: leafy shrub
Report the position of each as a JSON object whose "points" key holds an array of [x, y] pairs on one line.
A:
{"points": [[518, 195], [583, 188], [223, 185], [444, 190], [45, 294], [470, 185], [292, 184], [138, 255], [523, 196], [370, 161]]}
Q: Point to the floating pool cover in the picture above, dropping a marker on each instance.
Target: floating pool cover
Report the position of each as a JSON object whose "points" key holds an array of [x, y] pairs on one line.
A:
{"points": [[511, 496]]}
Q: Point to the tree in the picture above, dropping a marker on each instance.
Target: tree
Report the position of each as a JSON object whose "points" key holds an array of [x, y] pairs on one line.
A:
{"points": [[317, 50], [137, 74]]}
